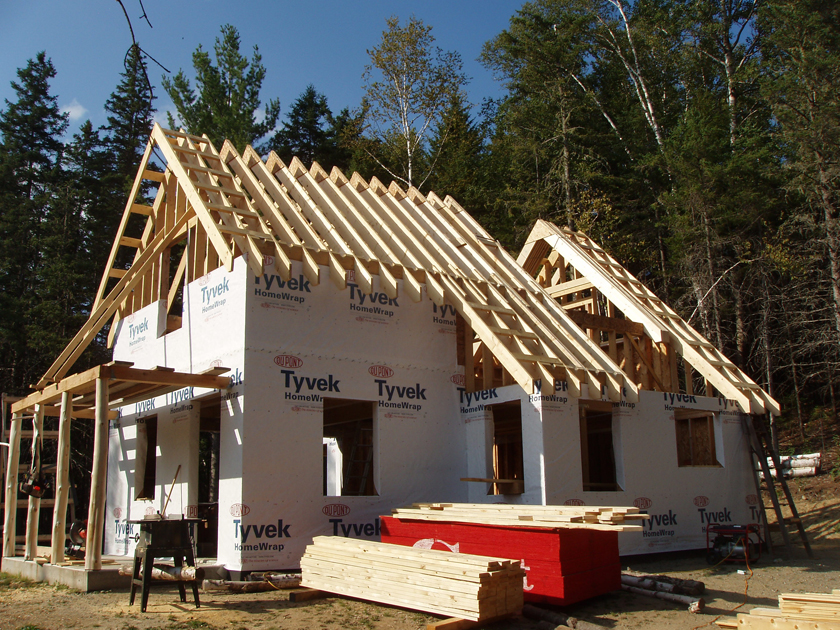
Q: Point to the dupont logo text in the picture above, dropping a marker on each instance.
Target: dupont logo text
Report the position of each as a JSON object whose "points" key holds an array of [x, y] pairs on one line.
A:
{"points": [[288, 361], [459, 379], [336, 509], [752, 499], [642, 503], [574, 502], [380, 371], [239, 509], [701, 501]]}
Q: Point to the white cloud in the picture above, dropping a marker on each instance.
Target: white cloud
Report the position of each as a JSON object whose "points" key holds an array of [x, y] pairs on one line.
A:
{"points": [[75, 110]]}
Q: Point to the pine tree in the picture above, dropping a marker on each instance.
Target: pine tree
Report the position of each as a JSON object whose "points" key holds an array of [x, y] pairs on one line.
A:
{"points": [[456, 151], [307, 130], [130, 120], [30, 156], [228, 97], [130, 117]]}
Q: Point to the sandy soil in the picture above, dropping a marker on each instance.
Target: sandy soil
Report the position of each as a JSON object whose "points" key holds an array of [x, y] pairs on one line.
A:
{"points": [[34, 606]]}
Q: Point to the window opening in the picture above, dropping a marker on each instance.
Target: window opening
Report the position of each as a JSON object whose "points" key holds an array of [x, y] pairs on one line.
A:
{"points": [[507, 448], [597, 447], [695, 438], [349, 446], [207, 534], [145, 462]]}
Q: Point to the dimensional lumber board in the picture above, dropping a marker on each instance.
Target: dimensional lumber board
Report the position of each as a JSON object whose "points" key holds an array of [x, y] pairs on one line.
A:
{"points": [[562, 566], [549, 249], [222, 204], [463, 586], [597, 518], [797, 611]]}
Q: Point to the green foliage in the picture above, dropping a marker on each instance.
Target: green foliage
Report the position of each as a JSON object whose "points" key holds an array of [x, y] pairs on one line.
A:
{"points": [[30, 174], [227, 100], [306, 133], [9, 582], [408, 86]]}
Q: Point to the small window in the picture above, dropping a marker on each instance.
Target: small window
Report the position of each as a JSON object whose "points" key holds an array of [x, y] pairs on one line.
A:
{"points": [[146, 458], [349, 447], [507, 448], [597, 448], [695, 438]]}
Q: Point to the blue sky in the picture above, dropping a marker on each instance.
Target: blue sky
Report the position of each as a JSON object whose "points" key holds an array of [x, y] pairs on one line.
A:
{"points": [[323, 43]]}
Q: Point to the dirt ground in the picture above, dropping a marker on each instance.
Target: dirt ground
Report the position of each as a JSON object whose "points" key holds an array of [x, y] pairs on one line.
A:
{"points": [[28, 606]]}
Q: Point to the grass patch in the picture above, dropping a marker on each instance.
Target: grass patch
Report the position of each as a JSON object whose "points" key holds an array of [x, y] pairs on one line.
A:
{"points": [[9, 582]]}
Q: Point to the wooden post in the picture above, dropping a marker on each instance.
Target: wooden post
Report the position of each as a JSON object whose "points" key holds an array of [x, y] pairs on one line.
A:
{"points": [[62, 480], [96, 515], [12, 465], [689, 377], [487, 367], [469, 358], [33, 514]]}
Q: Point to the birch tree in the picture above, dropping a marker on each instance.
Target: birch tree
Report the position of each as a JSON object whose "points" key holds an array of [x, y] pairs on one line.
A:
{"points": [[409, 83]]}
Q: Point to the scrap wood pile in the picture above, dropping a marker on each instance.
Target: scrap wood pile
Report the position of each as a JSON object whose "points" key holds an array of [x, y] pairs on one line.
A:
{"points": [[811, 611], [456, 585], [668, 588], [553, 516]]}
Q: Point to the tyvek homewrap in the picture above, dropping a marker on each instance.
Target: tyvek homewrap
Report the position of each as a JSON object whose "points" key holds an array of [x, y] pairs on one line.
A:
{"points": [[680, 500], [301, 343]]}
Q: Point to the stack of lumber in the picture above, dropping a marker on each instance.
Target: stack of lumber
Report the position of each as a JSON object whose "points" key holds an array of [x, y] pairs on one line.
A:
{"points": [[801, 611], [465, 586], [569, 553], [603, 518]]}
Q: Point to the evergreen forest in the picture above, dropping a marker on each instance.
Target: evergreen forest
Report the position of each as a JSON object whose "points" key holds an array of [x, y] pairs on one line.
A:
{"points": [[698, 142]]}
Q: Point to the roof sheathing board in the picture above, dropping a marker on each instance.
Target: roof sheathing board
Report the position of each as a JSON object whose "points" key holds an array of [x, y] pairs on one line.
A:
{"points": [[242, 204]]}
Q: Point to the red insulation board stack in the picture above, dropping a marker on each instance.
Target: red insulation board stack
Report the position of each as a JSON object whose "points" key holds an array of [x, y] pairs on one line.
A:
{"points": [[562, 566]]}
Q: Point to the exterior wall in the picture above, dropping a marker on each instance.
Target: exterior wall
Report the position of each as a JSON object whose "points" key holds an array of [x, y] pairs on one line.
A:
{"points": [[306, 343], [680, 500], [212, 334], [291, 344]]}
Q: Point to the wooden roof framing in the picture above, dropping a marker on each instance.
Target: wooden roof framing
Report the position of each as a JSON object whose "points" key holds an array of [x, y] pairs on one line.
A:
{"points": [[211, 206], [548, 251]]}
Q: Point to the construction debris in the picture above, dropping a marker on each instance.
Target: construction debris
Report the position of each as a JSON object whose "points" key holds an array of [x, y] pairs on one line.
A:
{"points": [[796, 611], [464, 586], [695, 604], [664, 583], [555, 619], [168, 573], [553, 516], [270, 582]]}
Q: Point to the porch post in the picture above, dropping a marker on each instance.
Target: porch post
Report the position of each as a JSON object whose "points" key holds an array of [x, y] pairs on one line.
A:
{"points": [[96, 515], [33, 514], [62, 480], [10, 521]]}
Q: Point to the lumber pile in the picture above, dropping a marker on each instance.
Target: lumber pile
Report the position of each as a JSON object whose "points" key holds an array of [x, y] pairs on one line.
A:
{"points": [[801, 611], [464, 586], [595, 517]]}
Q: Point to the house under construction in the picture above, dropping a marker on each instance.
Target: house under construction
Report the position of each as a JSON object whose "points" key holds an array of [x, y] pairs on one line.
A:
{"points": [[297, 353]]}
